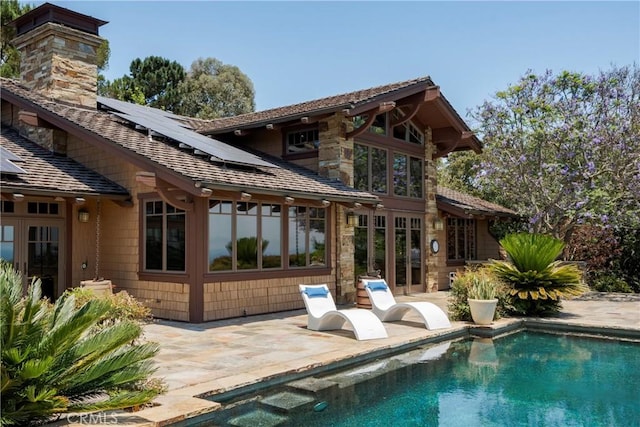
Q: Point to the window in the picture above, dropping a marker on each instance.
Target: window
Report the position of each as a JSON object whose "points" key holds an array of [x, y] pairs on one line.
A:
{"points": [[407, 132], [165, 234], [7, 207], [249, 236], [42, 208], [370, 169], [378, 126], [408, 176], [307, 231], [303, 141], [461, 239]]}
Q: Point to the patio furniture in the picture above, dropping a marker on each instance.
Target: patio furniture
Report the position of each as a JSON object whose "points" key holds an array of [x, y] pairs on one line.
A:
{"points": [[387, 309], [324, 316]]}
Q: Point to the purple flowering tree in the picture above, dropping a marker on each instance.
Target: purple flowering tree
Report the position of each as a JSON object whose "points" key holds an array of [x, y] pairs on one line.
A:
{"points": [[563, 149]]}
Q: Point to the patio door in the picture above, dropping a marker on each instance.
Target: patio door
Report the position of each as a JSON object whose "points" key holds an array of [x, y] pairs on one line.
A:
{"points": [[34, 247], [370, 253], [408, 260]]}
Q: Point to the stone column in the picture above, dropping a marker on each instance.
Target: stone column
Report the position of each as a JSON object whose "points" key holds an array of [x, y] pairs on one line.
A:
{"points": [[431, 212], [335, 161]]}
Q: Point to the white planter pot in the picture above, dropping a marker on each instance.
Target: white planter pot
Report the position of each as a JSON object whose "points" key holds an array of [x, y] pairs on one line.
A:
{"points": [[482, 310]]}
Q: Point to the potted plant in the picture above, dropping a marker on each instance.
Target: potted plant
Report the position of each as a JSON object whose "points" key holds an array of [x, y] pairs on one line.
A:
{"points": [[482, 297]]}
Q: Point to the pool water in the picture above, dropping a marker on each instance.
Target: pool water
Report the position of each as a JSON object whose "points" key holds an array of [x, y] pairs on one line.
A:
{"points": [[522, 379]]}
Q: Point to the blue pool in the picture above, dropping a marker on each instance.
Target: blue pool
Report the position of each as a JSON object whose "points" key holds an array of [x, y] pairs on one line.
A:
{"points": [[521, 379]]}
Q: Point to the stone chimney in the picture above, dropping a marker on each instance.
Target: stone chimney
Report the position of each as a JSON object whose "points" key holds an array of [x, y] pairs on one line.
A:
{"points": [[58, 50]]}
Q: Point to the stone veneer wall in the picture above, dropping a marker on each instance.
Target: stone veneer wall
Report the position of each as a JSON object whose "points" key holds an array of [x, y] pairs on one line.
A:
{"points": [[433, 262], [60, 62], [335, 161], [119, 241]]}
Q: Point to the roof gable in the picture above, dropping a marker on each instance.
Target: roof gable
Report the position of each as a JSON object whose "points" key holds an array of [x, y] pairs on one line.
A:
{"points": [[465, 205]]}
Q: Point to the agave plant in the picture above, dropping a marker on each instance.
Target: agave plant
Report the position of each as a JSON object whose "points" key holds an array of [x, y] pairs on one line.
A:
{"points": [[537, 280], [55, 361]]}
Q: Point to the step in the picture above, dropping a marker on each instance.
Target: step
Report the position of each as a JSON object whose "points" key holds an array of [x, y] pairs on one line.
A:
{"points": [[258, 418], [286, 401]]}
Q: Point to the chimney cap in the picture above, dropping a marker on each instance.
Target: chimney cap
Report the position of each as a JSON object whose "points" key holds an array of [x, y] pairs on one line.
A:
{"points": [[51, 13]]}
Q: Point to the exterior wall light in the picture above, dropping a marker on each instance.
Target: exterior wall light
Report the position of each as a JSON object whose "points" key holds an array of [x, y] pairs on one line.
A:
{"points": [[83, 215], [438, 224], [352, 219]]}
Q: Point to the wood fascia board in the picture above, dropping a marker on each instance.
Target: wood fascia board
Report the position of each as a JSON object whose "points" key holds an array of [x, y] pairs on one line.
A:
{"points": [[452, 210], [99, 141], [457, 122]]}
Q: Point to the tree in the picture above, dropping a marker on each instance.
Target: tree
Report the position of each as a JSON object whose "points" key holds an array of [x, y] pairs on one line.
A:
{"points": [[9, 55], [64, 358], [153, 82], [213, 89], [564, 149]]}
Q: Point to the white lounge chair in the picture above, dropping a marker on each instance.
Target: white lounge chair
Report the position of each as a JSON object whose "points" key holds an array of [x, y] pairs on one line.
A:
{"points": [[384, 306], [324, 316]]}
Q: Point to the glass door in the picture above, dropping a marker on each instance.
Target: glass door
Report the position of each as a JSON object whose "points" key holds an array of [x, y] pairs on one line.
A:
{"points": [[370, 254], [33, 247], [408, 262]]}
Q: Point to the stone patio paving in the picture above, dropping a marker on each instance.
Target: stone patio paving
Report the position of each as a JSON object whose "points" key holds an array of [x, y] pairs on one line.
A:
{"points": [[214, 357]]}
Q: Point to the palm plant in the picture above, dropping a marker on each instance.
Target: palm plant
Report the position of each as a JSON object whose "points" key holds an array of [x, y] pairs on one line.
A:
{"points": [[536, 279], [55, 361]]}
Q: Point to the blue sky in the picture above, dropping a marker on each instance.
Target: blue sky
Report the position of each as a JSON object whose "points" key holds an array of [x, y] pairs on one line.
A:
{"points": [[299, 51]]}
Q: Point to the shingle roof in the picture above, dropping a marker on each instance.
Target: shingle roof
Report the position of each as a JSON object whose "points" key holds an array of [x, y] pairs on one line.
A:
{"points": [[469, 205], [50, 172], [328, 104], [285, 179]]}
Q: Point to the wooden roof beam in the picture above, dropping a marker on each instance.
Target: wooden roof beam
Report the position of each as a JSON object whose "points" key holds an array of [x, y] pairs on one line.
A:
{"points": [[415, 102], [448, 139], [371, 116]]}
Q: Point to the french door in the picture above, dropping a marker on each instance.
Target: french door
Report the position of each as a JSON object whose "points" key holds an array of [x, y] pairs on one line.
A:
{"points": [[408, 260], [397, 251], [34, 247]]}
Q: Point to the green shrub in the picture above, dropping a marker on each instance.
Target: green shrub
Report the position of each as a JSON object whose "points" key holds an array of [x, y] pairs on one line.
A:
{"points": [[536, 281], [122, 306], [610, 283], [475, 283], [55, 360]]}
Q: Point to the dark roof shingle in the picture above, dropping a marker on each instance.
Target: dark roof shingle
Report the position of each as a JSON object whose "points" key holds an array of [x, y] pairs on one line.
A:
{"points": [[470, 205], [330, 104], [49, 172], [287, 178]]}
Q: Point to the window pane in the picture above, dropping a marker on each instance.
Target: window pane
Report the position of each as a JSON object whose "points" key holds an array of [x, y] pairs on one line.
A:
{"points": [[247, 236], [153, 243], [400, 132], [176, 242], [417, 177], [317, 236], [415, 136], [378, 170], [297, 236], [305, 140], [271, 235], [400, 175], [361, 167], [379, 125], [220, 245]]}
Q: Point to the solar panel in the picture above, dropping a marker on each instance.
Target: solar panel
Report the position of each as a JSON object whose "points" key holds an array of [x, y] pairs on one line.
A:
{"points": [[6, 162], [166, 124]]}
